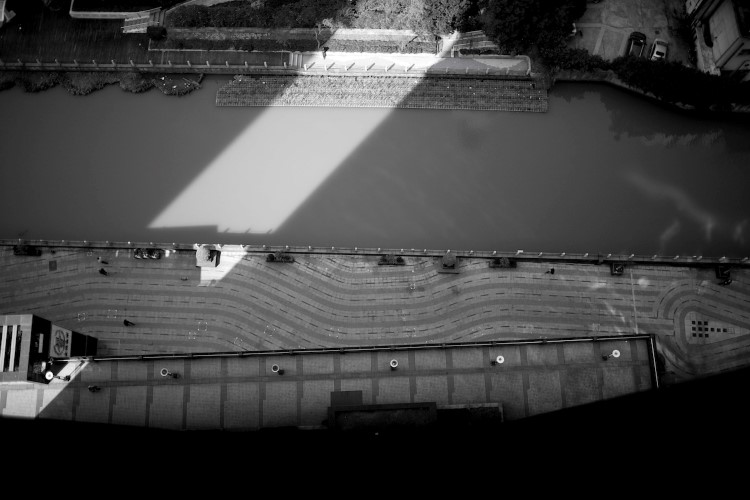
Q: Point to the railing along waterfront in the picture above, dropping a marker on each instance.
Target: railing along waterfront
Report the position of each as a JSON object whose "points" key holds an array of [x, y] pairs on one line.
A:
{"points": [[246, 68], [518, 255]]}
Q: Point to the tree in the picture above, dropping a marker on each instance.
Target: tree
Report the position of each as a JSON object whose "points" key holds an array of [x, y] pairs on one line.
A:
{"points": [[320, 26], [521, 25], [442, 17]]}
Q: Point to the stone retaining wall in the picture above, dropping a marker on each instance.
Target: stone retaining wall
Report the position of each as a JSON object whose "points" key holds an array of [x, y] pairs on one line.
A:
{"points": [[385, 92]]}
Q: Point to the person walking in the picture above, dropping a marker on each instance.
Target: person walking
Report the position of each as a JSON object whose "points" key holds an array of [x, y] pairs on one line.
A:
{"points": [[127, 323], [94, 388], [103, 272]]}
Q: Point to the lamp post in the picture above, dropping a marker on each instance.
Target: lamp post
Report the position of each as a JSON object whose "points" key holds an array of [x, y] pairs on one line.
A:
{"points": [[393, 364], [613, 354], [277, 370], [166, 373], [497, 361]]}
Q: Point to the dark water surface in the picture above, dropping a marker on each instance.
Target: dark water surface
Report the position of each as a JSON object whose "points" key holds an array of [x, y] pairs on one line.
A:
{"points": [[602, 171]]}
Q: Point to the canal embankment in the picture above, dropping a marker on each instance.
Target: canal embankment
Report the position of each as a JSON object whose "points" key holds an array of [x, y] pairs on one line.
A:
{"points": [[609, 77], [365, 91]]}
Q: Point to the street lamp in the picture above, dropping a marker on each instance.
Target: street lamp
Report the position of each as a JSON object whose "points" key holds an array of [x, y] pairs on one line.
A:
{"points": [[277, 370], [497, 361], [394, 364], [166, 373], [49, 375], [613, 354]]}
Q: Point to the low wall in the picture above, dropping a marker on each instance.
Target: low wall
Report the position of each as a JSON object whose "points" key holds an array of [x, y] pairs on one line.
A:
{"points": [[235, 69], [518, 255], [78, 14]]}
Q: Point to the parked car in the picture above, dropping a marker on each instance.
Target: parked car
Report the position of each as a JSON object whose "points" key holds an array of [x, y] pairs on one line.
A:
{"points": [[658, 50], [636, 44], [147, 253]]}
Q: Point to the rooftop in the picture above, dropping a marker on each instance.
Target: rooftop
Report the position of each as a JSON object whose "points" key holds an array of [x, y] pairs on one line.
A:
{"points": [[243, 391], [246, 312]]}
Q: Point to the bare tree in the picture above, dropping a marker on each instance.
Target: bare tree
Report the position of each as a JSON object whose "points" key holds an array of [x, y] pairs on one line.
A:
{"points": [[325, 24]]}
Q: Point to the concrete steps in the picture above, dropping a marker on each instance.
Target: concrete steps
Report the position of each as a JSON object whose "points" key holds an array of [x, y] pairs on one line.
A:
{"points": [[140, 21]]}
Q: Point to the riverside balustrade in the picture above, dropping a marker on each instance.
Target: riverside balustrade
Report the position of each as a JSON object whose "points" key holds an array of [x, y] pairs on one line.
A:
{"points": [[224, 67], [517, 255]]}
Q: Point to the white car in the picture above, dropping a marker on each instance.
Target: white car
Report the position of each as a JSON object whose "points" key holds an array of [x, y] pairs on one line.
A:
{"points": [[658, 50]]}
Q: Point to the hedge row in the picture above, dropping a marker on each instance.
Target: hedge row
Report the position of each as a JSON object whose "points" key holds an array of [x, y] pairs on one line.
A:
{"points": [[574, 59], [675, 83], [123, 5], [336, 45], [478, 52], [77, 83], [669, 81], [245, 45]]}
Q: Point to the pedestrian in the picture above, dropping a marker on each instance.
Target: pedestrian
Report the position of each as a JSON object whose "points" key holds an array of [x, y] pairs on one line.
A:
{"points": [[103, 272], [551, 270], [580, 33], [94, 388], [127, 323], [102, 261]]}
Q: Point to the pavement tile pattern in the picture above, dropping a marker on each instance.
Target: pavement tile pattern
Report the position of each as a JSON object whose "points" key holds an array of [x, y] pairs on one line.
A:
{"points": [[537, 378], [325, 300]]}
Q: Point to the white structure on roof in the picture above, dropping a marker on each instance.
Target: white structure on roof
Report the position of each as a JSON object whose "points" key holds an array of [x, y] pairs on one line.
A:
{"points": [[5, 14]]}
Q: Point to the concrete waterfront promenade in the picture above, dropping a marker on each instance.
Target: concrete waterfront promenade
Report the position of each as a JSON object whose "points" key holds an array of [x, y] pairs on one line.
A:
{"points": [[341, 298]]}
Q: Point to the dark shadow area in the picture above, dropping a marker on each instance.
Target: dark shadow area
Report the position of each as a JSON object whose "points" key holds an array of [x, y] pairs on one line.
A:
{"points": [[40, 32], [701, 417]]}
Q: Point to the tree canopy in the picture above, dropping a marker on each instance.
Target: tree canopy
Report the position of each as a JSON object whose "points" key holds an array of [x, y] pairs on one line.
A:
{"points": [[520, 26], [422, 16]]}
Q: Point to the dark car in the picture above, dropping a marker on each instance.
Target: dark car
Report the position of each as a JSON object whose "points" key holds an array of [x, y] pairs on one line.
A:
{"points": [[636, 44], [147, 253]]}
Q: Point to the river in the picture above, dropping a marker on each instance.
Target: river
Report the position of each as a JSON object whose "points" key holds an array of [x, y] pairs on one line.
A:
{"points": [[602, 171]]}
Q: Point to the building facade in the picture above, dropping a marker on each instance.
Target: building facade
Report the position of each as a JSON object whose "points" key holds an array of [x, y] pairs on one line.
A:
{"points": [[29, 346], [722, 30]]}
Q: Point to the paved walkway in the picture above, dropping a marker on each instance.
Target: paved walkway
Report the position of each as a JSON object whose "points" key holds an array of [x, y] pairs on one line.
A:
{"points": [[348, 300], [606, 26], [244, 393], [400, 63]]}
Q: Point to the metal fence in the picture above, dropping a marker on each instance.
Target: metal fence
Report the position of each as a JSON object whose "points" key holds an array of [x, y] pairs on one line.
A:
{"points": [[247, 68], [518, 255]]}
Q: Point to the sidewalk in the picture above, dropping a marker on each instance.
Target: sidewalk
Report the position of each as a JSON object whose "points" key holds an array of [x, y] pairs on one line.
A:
{"points": [[606, 26], [400, 63]]}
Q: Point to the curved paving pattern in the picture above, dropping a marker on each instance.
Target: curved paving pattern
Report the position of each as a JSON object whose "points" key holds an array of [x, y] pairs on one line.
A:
{"points": [[348, 300]]}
